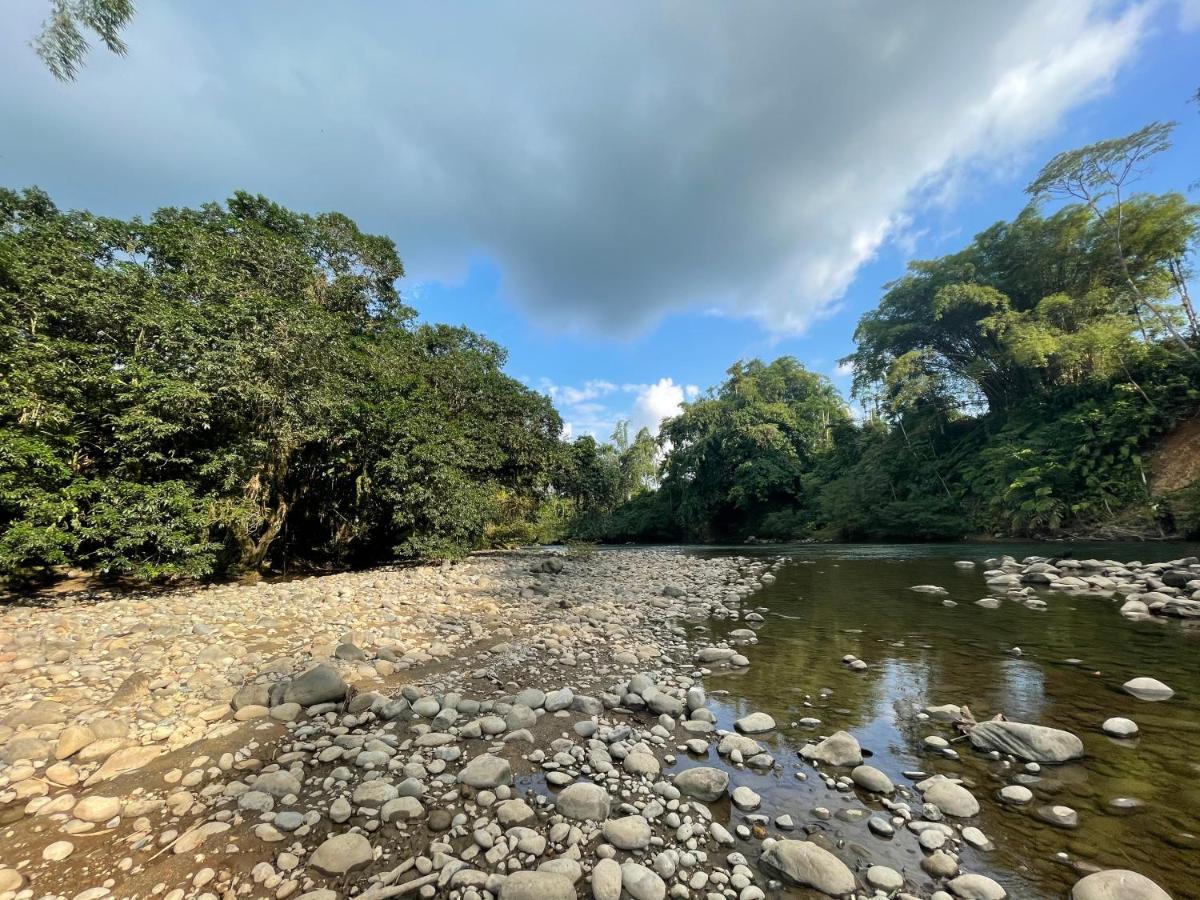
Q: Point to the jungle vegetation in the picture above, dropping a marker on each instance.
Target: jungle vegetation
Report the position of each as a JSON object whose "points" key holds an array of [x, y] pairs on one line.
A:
{"points": [[1011, 388], [241, 387]]}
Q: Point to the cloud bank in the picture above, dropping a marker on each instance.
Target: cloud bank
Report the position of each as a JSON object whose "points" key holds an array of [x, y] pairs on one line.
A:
{"points": [[617, 161]]}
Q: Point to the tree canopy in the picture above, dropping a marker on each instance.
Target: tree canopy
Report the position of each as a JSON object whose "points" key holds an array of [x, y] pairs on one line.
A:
{"points": [[233, 386], [62, 43]]}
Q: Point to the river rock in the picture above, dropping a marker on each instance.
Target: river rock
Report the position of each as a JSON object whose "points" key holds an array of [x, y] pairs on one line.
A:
{"points": [[871, 779], [755, 723], [1036, 743], [56, 852], [806, 865], [1148, 689], [130, 759], [278, 784], [839, 749], [1016, 793], [951, 798], [97, 809], [606, 880], [72, 739], [744, 798], [320, 684], [537, 886], [976, 887], [641, 763], [343, 853], [1119, 727], [628, 833], [641, 883], [584, 801], [486, 771], [703, 783], [884, 878], [1117, 884]]}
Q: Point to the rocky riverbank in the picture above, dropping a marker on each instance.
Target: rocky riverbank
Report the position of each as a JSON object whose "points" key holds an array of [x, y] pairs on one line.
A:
{"points": [[1167, 590], [517, 726]]}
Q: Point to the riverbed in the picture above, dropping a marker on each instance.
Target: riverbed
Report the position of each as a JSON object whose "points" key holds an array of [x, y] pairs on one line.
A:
{"points": [[417, 729]]}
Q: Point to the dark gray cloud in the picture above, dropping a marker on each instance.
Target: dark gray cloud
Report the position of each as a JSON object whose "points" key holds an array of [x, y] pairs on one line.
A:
{"points": [[617, 160]]}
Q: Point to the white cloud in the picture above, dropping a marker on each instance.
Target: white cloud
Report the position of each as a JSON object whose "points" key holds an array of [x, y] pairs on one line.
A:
{"points": [[598, 405], [844, 370], [748, 164], [656, 402], [590, 391]]}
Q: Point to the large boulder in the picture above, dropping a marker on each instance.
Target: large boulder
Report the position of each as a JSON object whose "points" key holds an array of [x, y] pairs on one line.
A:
{"points": [[807, 865], [1036, 743], [320, 684], [1117, 884]]}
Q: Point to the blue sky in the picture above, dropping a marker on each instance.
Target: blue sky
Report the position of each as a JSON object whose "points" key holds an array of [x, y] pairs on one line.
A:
{"points": [[629, 197]]}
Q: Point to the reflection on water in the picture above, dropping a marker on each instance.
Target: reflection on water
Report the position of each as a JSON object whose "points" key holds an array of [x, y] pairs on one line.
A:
{"points": [[832, 600]]}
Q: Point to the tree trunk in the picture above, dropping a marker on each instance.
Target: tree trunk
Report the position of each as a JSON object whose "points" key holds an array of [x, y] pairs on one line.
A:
{"points": [[266, 489]]}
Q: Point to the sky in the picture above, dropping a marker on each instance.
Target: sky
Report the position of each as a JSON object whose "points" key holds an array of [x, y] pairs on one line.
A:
{"points": [[629, 196]]}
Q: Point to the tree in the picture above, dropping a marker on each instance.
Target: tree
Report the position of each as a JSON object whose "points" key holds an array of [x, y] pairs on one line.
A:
{"points": [[232, 387], [1029, 305], [743, 451], [61, 43], [1098, 175]]}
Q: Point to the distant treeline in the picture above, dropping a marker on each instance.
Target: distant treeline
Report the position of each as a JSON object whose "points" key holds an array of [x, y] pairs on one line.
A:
{"points": [[240, 387], [1011, 388]]}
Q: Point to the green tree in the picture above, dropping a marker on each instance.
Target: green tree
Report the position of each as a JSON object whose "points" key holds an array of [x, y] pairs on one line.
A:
{"points": [[744, 450], [62, 44], [1099, 176], [236, 386]]}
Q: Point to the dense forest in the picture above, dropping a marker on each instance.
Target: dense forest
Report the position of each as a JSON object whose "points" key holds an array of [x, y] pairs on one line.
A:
{"points": [[1011, 388], [231, 387], [241, 387]]}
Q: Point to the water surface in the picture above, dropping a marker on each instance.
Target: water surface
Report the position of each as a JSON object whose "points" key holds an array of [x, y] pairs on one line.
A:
{"points": [[830, 600]]}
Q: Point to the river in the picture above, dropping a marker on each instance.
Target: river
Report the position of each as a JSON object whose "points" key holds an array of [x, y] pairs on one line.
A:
{"points": [[832, 600]]}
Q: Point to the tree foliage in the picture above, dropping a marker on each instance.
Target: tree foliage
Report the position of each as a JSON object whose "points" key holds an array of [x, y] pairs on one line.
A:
{"points": [[62, 43], [237, 385], [1013, 387]]}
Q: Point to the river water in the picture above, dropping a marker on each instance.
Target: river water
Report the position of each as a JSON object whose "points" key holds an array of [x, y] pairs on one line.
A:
{"points": [[831, 600]]}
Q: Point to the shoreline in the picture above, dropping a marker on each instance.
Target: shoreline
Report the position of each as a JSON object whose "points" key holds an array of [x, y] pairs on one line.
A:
{"points": [[515, 726]]}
